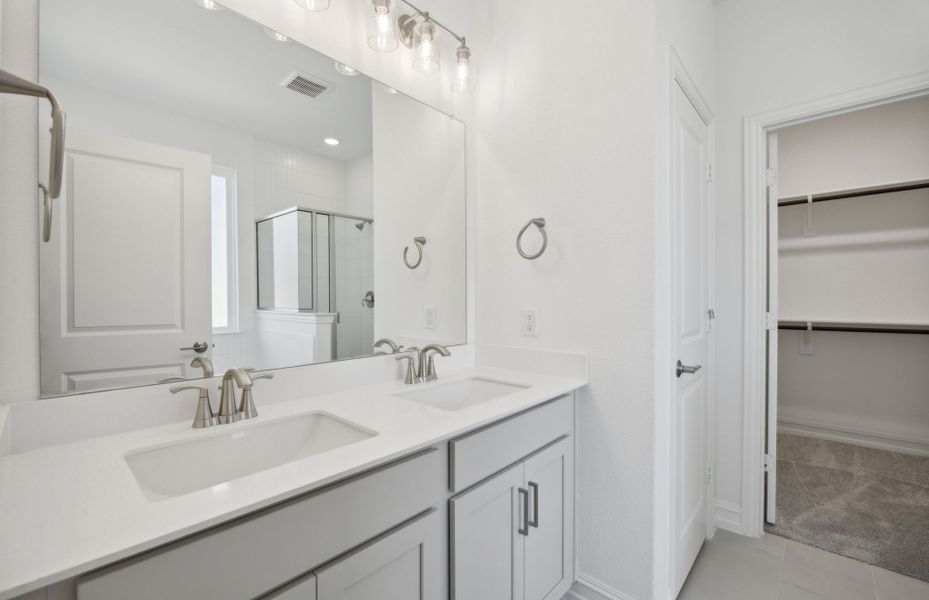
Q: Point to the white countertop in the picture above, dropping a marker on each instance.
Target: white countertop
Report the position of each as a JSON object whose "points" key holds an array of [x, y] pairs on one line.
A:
{"points": [[71, 508]]}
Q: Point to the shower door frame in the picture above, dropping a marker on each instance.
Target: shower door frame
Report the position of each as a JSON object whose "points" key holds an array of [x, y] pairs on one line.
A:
{"points": [[314, 269]]}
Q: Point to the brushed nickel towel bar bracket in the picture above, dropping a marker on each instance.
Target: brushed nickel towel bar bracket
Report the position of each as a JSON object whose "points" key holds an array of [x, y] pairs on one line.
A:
{"points": [[540, 223], [11, 84], [420, 242]]}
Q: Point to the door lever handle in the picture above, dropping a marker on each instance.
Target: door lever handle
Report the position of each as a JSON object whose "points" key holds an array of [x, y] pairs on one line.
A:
{"points": [[682, 368], [199, 347]]}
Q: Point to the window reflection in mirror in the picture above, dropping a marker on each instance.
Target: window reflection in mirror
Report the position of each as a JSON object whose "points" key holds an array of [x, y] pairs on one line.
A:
{"points": [[232, 196]]}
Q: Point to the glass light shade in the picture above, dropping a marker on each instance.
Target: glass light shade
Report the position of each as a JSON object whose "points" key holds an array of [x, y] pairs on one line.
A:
{"points": [[346, 70], [464, 72], [427, 53], [382, 26], [313, 5], [209, 4]]}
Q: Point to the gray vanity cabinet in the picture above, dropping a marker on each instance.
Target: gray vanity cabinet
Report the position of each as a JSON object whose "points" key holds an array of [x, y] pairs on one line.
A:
{"points": [[512, 535], [403, 565]]}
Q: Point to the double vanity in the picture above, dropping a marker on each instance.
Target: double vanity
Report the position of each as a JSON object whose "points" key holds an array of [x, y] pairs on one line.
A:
{"points": [[462, 487]]}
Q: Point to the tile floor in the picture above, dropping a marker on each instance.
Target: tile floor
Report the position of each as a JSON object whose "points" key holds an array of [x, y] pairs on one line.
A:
{"points": [[732, 567]]}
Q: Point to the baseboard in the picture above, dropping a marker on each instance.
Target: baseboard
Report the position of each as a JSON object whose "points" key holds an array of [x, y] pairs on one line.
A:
{"points": [[729, 517], [588, 588], [861, 437]]}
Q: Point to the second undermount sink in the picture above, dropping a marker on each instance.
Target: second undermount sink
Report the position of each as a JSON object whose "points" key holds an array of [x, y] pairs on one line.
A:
{"points": [[462, 393], [173, 470]]}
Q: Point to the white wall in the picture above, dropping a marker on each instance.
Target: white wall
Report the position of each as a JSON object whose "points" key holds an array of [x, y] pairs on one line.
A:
{"points": [[862, 387], [567, 131], [771, 55], [422, 195]]}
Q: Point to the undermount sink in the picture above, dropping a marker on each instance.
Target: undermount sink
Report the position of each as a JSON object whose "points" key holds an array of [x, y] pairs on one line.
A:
{"points": [[462, 393], [178, 469]]}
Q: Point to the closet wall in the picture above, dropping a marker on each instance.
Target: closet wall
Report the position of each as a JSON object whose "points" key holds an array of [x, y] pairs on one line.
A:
{"points": [[865, 260]]}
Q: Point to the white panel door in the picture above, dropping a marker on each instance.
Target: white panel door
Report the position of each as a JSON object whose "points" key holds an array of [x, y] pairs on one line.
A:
{"points": [[126, 277], [403, 565], [690, 327], [549, 547], [486, 544], [772, 338]]}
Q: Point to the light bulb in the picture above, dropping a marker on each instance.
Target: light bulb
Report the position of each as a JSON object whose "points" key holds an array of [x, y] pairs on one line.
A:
{"points": [[427, 54], [382, 35], [313, 5], [464, 76]]}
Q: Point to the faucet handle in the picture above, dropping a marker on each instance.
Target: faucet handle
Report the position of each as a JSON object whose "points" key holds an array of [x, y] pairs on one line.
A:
{"points": [[410, 369], [204, 417], [247, 405]]}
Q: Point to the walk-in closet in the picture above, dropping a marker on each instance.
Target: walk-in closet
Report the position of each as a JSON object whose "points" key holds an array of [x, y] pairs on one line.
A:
{"points": [[849, 320]]}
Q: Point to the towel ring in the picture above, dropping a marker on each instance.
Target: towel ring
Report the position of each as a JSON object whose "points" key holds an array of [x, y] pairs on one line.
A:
{"points": [[420, 242], [47, 208], [540, 223]]}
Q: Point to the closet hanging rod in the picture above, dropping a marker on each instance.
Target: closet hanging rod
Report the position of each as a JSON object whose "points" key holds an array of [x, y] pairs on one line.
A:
{"points": [[873, 191], [876, 328]]}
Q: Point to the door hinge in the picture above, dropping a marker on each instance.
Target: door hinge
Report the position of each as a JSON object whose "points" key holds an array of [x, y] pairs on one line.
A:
{"points": [[709, 171], [710, 317], [769, 463], [709, 474], [770, 321], [770, 176]]}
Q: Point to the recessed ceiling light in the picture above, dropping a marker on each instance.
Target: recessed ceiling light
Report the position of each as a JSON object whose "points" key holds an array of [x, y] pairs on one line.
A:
{"points": [[277, 37], [345, 70], [209, 4], [332, 141], [314, 5]]}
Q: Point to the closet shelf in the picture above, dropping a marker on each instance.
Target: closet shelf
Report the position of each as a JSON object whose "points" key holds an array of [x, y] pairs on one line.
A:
{"points": [[856, 192], [854, 326]]}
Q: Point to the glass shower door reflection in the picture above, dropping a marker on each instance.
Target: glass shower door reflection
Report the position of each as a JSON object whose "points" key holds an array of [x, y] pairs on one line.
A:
{"points": [[352, 281]]}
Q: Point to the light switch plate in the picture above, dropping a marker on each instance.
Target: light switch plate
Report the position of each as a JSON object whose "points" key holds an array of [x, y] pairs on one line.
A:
{"points": [[430, 316], [529, 322]]}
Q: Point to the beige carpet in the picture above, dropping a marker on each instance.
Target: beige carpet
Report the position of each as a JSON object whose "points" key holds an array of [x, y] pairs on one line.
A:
{"points": [[870, 505]]}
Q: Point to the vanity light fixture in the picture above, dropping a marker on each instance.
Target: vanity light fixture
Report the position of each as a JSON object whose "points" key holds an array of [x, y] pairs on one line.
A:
{"points": [[427, 54], [313, 5], [382, 34], [274, 35], [209, 4], [464, 77], [346, 70], [331, 141]]}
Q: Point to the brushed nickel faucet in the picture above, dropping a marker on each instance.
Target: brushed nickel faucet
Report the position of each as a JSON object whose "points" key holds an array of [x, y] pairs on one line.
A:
{"points": [[204, 417], [422, 369], [394, 348], [204, 363], [426, 364], [228, 411]]}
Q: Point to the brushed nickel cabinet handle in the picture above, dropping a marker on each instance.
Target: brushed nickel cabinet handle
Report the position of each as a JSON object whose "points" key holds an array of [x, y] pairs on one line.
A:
{"points": [[524, 516], [534, 522]]}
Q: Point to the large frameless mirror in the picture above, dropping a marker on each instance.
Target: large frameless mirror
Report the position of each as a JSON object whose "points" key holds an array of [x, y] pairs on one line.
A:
{"points": [[233, 198]]}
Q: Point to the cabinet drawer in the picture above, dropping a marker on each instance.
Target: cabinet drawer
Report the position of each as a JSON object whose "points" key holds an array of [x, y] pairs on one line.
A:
{"points": [[249, 557], [482, 453]]}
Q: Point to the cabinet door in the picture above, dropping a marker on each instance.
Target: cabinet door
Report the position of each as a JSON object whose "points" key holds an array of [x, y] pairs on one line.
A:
{"points": [[400, 565], [550, 543], [486, 544]]}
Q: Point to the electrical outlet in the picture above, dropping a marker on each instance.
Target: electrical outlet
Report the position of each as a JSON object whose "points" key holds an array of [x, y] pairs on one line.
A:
{"points": [[529, 322], [430, 315]]}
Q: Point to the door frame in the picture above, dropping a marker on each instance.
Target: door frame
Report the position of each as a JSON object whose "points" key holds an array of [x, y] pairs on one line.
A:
{"points": [[680, 77], [755, 130]]}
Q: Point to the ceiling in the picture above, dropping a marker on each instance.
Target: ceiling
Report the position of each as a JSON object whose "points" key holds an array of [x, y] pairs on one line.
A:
{"points": [[211, 65]]}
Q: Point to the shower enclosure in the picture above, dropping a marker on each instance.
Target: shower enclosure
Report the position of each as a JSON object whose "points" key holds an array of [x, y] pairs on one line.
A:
{"points": [[319, 264]]}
